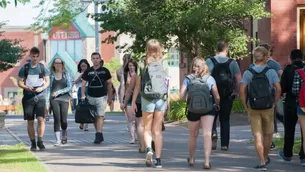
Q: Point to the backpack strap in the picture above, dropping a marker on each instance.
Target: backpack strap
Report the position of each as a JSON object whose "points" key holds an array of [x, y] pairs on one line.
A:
{"points": [[26, 70], [265, 70], [252, 71], [214, 61], [301, 73], [42, 69]]}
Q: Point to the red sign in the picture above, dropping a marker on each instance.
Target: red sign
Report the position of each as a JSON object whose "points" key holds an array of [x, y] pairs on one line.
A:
{"points": [[58, 33]]}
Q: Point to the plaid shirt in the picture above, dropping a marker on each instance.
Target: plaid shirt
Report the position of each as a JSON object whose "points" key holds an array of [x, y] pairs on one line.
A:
{"points": [[297, 84], [68, 89]]}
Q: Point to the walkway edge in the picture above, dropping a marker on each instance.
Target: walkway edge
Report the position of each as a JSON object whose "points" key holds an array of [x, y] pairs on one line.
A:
{"points": [[48, 169]]}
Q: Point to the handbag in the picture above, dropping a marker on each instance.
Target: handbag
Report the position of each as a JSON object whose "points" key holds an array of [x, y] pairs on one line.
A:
{"points": [[85, 112]]}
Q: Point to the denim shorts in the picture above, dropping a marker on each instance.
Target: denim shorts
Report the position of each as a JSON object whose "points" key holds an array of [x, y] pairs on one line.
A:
{"points": [[299, 111], [153, 104]]}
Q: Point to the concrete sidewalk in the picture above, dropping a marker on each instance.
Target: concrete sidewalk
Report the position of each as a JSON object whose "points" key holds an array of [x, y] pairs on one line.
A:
{"points": [[116, 154]]}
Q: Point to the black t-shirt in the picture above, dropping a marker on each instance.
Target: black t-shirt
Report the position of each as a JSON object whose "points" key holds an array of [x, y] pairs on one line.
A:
{"points": [[97, 81]]}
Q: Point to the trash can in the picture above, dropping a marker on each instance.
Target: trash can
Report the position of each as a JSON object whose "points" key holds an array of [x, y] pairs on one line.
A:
{"points": [[2, 119]]}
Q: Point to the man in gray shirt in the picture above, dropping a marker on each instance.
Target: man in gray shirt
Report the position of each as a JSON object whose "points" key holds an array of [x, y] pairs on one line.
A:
{"points": [[261, 119], [34, 79], [226, 98]]}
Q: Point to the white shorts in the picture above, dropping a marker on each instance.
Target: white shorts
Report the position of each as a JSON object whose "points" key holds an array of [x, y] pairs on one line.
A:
{"points": [[100, 103]]}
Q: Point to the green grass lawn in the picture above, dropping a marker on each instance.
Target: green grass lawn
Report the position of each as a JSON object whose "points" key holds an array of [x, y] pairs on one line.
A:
{"points": [[279, 143], [18, 159]]}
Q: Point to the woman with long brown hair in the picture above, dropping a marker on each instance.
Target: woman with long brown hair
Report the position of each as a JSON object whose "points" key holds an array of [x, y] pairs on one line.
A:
{"points": [[58, 96]]}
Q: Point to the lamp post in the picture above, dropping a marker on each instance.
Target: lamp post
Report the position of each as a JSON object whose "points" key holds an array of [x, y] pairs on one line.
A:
{"points": [[97, 42], [45, 37]]}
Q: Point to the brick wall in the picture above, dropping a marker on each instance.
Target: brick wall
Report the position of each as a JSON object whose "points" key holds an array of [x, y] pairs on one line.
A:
{"points": [[28, 41]]}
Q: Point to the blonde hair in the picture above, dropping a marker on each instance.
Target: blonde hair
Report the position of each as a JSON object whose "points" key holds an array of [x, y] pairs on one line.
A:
{"points": [[52, 68], [259, 53], [154, 49], [204, 69]]}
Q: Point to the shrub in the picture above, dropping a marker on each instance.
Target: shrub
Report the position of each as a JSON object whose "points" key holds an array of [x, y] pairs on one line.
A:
{"points": [[112, 66], [238, 107], [177, 110]]}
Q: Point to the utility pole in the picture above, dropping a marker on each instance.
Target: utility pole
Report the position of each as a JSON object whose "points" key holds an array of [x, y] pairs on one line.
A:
{"points": [[97, 40]]}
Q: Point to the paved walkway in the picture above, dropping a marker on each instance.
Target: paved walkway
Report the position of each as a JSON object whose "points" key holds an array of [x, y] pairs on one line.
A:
{"points": [[116, 154]]}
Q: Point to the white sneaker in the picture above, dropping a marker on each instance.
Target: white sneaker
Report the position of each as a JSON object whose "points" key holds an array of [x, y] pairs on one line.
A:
{"points": [[132, 141], [57, 143]]}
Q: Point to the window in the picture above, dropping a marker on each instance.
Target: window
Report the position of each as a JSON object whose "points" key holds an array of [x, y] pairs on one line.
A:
{"points": [[174, 57], [72, 47]]}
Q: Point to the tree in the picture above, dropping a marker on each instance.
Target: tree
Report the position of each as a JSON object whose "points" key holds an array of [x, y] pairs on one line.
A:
{"points": [[197, 25], [10, 53], [57, 13], [3, 3]]}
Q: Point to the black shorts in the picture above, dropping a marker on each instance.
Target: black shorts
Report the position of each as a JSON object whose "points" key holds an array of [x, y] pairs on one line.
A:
{"points": [[32, 108], [196, 117], [139, 112]]}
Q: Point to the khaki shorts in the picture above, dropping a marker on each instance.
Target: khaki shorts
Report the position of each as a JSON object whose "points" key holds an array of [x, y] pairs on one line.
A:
{"points": [[100, 103], [261, 121]]}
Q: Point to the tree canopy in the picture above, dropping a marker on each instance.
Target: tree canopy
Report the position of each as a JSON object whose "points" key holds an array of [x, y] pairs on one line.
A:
{"points": [[194, 26]]}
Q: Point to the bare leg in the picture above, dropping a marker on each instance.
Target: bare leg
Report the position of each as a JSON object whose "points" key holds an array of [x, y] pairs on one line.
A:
{"points": [[207, 125], [140, 129], [99, 124], [157, 131], [302, 123], [259, 147], [131, 124], [41, 126], [147, 119], [193, 134], [31, 130]]}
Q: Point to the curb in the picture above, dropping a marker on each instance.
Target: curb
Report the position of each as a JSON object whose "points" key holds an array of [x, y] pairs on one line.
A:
{"points": [[43, 162]]}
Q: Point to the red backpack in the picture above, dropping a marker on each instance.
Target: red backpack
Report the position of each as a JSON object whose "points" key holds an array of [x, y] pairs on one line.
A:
{"points": [[302, 90]]}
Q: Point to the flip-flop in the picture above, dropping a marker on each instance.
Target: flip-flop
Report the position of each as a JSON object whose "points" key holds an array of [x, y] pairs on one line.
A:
{"points": [[190, 164], [207, 167]]}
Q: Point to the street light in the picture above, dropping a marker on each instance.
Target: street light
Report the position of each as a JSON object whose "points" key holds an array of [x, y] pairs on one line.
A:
{"points": [[97, 42]]}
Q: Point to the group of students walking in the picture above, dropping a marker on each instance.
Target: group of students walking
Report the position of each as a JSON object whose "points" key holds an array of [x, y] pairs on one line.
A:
{"points": [[210, 89]]}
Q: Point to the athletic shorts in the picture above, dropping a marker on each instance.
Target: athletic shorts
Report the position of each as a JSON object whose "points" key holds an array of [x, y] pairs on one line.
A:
{"points": [[32, 107], [100, 103]]}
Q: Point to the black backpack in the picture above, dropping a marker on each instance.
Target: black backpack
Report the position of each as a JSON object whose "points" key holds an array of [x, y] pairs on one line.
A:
{"points": [[260, 96], [223, 77], [27, 67]]}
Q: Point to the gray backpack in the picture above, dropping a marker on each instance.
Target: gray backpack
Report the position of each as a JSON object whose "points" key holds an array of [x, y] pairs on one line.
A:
{"points": [[154, 81], [199, 96]]}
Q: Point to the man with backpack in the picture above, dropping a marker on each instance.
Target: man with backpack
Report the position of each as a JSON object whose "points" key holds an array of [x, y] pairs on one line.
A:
{"points": [[227, 75], [99, 92], [258, 97], [34, 79], [290, 111], [278, 113]]}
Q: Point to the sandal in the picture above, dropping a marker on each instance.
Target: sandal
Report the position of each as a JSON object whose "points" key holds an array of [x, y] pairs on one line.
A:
{"points": [[86, 129], [207, 167], [190, 164], [140, 151], [81, 127]]}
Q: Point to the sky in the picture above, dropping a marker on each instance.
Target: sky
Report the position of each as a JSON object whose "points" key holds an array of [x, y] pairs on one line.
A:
{"points": [[22, 15]]}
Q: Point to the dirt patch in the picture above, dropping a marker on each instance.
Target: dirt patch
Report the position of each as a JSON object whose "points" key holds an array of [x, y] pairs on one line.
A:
{"points": [[236, 119]]}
